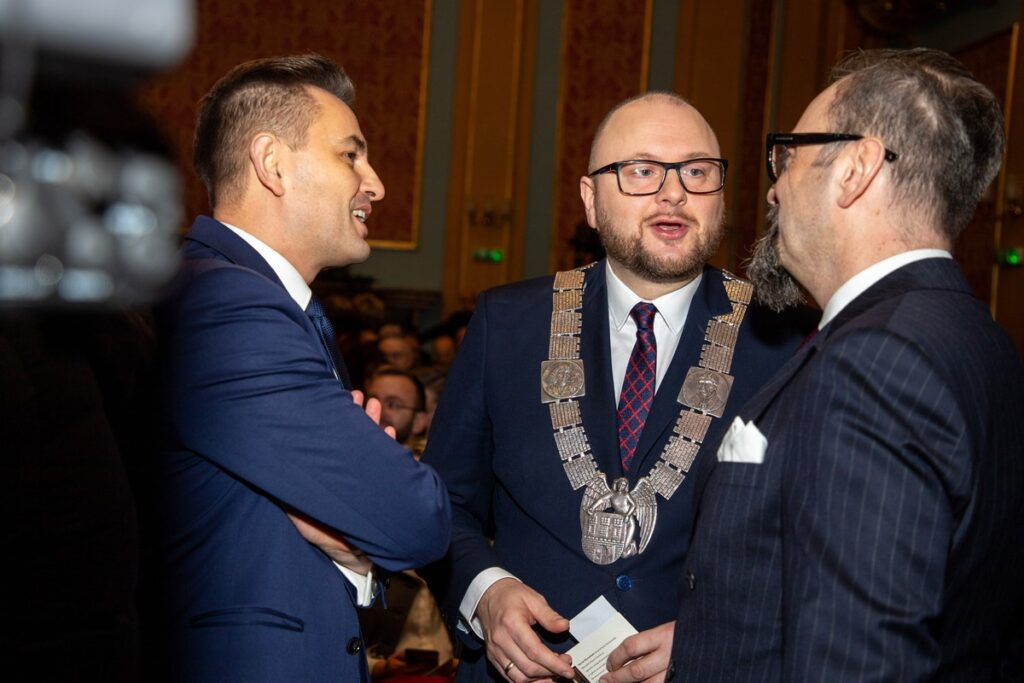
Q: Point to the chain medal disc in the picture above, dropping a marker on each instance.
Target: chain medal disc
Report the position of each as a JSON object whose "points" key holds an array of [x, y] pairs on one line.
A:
{"points": [[706, 390], [561, 379]]}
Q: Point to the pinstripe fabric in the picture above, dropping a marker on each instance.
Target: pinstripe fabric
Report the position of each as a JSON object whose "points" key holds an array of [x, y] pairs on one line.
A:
{"points": [[882, 538]]}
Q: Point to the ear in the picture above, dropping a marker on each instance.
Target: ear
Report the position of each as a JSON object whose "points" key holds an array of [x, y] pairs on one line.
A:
{"points": [[265, 157], [860, 170], [587, 192]]}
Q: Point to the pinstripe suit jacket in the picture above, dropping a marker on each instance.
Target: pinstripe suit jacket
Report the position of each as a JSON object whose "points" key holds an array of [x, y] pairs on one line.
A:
{"points": [[882, 538]]}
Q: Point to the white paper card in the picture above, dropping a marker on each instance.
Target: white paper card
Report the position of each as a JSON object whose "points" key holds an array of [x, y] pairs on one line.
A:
{"points": [[591, 618], [590, 656]]}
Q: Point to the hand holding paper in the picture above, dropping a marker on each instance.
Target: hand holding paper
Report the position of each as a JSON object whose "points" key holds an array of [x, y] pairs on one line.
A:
{"points": [[642, 657], [507, 611]]}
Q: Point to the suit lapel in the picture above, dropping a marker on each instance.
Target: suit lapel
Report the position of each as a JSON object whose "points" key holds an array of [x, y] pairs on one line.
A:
{"points": [[708, 301], [599, 404]]}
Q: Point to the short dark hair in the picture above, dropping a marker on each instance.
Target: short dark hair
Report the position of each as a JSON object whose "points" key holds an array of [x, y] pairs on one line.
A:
{"points": [[927, 107], [260, 95], [391, 371]]}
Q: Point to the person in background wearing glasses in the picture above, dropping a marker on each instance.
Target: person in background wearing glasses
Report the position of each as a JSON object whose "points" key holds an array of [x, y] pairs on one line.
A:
{"points": [[598, 385], [402, 402], [863, 519]]}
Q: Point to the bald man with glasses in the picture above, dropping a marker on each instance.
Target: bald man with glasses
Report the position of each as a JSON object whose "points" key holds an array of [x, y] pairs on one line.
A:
{"points": [[579, 404]]}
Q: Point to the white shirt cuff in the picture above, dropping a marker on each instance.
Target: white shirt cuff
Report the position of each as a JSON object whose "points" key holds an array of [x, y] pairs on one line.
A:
{"points": [[476, 590], [365, 585]]}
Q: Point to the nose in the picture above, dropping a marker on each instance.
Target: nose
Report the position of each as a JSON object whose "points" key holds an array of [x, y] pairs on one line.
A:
{"points": [[673, 190], [372, 185], [772, 199]]}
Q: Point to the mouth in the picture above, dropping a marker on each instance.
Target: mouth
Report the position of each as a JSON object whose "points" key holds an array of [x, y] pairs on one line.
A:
{"points": [[361, 214], [669, 227]]}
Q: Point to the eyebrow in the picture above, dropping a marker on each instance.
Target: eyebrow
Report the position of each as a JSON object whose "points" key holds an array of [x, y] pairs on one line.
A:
{"points": [[353, 139], [647, 156]]}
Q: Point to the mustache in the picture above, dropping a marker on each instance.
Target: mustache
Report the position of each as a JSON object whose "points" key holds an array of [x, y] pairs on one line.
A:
{"points": [[774, 287], [684, 216]]}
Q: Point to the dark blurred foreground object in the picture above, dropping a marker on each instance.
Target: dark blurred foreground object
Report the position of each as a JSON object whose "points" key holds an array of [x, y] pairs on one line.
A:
{"points": [[75, 429], [89, 209]]}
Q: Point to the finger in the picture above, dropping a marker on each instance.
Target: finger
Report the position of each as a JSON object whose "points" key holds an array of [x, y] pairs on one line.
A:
{"points": [[514, 641], [549, 619], [536, 660], [357, 397], [510, 670], [390, 431], [641, 657], [373, 410]]}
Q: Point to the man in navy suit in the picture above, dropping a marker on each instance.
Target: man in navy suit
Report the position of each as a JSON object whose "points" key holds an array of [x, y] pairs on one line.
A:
{"points": [[862, 518], [551, 434], [277, 490]]}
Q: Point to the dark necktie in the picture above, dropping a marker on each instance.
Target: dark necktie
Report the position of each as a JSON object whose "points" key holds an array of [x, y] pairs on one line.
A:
{"points": [[315, 311], [638, 384]]}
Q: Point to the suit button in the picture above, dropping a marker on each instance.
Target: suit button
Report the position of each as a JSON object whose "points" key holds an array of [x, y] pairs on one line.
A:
{"points": [[691, 580], [623, 582], [354, 646], [670, 673]]}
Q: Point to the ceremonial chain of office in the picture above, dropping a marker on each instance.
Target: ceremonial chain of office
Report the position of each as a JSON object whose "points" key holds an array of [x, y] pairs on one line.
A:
{"points": [[607, 536]]}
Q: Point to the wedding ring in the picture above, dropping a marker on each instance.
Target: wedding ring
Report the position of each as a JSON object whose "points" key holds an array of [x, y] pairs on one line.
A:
{"points": [[508, 667]]}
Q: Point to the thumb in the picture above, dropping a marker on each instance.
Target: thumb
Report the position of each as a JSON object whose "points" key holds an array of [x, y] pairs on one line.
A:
{"points": [[549, 619]]}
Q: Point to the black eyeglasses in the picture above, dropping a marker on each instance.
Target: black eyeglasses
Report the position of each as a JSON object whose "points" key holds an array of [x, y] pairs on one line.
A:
{"points": [[639, 177], [777, 148]]}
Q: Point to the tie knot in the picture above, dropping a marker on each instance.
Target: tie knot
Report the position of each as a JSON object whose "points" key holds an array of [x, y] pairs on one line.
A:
{"points": [[643, 315], [315, 309]]}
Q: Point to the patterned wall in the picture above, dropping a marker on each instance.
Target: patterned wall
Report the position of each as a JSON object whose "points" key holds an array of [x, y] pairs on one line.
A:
{"points": [[383, 52], [603, 62]]}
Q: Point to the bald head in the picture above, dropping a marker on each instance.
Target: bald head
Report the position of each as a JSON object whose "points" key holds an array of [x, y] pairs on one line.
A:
{"points": [[640, 106]]}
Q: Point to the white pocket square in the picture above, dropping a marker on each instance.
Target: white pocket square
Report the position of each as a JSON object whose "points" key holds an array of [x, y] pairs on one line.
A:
{"points": [[743, 443]]}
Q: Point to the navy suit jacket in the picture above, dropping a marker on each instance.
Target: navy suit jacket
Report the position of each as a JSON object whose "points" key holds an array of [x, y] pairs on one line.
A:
{"points": [[255, 421], [492, 442], [881, 539]]}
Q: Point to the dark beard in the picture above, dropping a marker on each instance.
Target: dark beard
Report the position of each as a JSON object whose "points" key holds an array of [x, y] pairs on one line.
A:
{"points": [[774, 287], [629, 251]]}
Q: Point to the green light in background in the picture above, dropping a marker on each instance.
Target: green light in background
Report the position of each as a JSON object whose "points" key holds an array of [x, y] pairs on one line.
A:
{"points": [[1012, 256]]}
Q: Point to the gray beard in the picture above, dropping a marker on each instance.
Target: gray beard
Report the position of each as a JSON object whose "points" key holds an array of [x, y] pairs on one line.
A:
{"points": [[629, 251], [774, 287]]}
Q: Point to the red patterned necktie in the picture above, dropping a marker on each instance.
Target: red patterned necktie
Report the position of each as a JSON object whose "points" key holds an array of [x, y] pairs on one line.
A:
{"points": [[638, 384]]}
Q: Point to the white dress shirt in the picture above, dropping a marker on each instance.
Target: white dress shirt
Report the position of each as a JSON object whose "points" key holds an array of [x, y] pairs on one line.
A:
{"points": [[860, 282], [668, 328], [300, 292]]}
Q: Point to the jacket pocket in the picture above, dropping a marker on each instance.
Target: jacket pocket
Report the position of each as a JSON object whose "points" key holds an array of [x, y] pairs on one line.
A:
{"points": [[247, 616], [748, 475]]}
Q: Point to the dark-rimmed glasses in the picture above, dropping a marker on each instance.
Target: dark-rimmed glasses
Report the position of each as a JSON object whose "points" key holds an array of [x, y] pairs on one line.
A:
{"points": [[393, 403], [777, 148], [639, 177]]}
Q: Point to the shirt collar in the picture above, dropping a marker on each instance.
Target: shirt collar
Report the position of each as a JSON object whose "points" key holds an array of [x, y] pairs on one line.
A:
{"points": [[860, 282], [285, 271], [672, 307]]}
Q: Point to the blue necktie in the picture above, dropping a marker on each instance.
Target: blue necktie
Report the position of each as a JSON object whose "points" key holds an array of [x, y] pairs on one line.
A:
{"points": [[315, 311], [638, 384]]}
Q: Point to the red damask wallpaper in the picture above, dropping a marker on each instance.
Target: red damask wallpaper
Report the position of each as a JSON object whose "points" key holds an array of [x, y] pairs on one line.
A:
{"points": [[603, 63], [383, 51]]}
